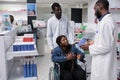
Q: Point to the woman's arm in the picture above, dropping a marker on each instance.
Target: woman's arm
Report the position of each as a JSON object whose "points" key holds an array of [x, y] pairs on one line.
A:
{"points": [[78, 52], [57, 57]]}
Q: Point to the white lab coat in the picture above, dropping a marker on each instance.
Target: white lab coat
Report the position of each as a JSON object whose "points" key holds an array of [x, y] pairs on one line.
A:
{"points": [[103, 53], [55, 28]]}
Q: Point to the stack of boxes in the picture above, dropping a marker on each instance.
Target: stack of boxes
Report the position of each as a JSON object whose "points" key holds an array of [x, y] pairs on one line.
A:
{"points": [[24, 43]]}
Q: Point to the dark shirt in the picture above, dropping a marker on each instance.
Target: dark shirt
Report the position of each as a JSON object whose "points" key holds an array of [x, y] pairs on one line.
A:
{"points": [[58, 56]]}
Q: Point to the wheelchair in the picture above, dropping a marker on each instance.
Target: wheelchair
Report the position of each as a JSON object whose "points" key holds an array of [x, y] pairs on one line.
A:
{"points": [[54, 74]]}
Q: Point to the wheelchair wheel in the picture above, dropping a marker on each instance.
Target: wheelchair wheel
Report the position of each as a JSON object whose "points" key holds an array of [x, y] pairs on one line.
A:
{"points": [[53, 75]]}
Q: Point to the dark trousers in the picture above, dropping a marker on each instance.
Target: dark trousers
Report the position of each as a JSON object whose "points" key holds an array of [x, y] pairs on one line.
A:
{"points": [[77, 74]]}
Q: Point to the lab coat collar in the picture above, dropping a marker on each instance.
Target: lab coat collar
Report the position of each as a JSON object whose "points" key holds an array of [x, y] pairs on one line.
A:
{"points": [[103, 16]]}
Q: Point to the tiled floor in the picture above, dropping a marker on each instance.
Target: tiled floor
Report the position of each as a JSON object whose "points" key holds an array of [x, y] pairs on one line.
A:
{"points": [[44, 63]]}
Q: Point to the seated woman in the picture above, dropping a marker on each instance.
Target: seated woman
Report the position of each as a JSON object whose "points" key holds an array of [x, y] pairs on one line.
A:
{"points": [[66, 56]]}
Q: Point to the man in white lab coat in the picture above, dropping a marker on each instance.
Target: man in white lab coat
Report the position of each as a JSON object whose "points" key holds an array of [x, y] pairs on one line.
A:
{"points": [[57, 25], [102, 49]]}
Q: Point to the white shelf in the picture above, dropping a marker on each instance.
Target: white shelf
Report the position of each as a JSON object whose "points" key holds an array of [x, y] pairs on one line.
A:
{"points": [[118, 64], [11, 54], [22, 78], [18, 75], [3, 32], [114, 8], [118, 22], [77, 33]]}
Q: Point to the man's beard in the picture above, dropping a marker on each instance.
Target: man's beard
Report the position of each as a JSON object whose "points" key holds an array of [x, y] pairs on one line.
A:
{"points": [[97, 14]]}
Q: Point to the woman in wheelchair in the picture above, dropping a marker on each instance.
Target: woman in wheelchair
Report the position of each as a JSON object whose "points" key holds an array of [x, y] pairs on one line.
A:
{"points": [[66, 56]]}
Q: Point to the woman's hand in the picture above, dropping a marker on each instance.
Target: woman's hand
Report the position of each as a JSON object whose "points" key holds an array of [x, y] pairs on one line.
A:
{"points": [[78, 56], [70, 56]]}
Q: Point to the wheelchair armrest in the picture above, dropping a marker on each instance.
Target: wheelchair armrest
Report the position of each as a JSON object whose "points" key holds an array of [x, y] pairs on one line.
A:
{"points": [[57, 67], [82, 60]]}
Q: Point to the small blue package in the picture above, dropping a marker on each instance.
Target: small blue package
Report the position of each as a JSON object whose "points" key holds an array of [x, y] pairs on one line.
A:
{"points": [[82, 42]]}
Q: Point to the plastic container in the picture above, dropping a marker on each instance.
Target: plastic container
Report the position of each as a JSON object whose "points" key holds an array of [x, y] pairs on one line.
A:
{"points": [[25, 68]]}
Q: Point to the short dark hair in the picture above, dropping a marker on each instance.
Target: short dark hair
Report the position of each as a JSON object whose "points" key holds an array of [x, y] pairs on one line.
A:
{"points": [[105, 4], [58, 39], [55, 4], [11, 19]]}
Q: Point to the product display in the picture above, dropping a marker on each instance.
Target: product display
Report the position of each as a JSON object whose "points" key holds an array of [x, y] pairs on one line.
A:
{"points": [[23, 47], [118, 37], [30, 68], [24, 43], [79, 29], [6, 22], [27, 39], [15, 47], [82, 42]]}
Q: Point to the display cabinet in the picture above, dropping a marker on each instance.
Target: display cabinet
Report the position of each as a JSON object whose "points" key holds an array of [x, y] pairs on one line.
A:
{"points": [[115, 11], [8, 62]]}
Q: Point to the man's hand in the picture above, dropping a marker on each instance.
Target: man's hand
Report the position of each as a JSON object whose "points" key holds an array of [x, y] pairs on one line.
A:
{"points": [[86, 46], [90, 42]]}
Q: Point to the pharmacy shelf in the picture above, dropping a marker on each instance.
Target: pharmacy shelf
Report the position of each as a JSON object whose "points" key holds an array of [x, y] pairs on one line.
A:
{"points": [[22, 78], [77, 33], [11, 54], [118, 22], [7, 32], [114, 8], [76, 41], [118, 66], [17, 73], [3, 32]]}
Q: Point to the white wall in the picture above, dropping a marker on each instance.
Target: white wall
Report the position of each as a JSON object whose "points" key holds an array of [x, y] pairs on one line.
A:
{"points": [[91, 16], [14, 9], [113, 4], [44, 10], [84, 15], [115, 13], [45, 13]]}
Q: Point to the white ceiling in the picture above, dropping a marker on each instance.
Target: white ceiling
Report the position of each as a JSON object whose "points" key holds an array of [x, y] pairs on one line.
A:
{"points": [[50, 1], [62, 1]]}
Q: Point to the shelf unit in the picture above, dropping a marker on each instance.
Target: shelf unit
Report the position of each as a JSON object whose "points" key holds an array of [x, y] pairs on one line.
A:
{"points": [[77, 36], [115, 12], [7, 66], [11, 54], [79, 29], [18, 74], [118, 22]]}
